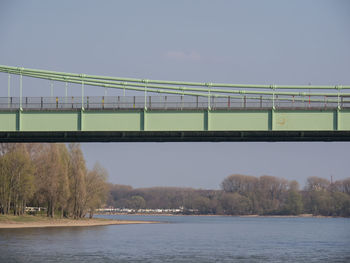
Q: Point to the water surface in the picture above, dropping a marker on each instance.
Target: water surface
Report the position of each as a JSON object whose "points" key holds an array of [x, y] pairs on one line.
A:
{"points": [[184, 239]]}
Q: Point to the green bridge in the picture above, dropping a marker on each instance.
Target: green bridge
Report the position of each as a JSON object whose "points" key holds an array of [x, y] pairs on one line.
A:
{"points": [[161, 111]]}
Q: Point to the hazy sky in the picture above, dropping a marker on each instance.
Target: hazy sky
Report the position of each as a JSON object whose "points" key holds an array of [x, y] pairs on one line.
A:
{"points": [[264, 42]]}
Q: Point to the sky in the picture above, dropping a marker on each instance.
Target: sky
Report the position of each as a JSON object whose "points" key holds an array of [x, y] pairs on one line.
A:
{"points": [[250, 41]]}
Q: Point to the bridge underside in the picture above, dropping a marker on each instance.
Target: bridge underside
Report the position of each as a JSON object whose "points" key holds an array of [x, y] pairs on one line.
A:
{"points": [[175, 136]]}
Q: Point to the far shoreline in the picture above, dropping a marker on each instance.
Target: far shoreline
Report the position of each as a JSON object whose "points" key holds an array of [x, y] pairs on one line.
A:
{"points": [[209, 215]]}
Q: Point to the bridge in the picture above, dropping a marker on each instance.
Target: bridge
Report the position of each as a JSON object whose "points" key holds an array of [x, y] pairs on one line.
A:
{"points": [[166, 111]]}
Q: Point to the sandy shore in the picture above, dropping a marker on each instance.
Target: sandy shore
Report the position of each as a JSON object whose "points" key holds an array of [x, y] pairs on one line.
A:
{"points": [[69, 223]]}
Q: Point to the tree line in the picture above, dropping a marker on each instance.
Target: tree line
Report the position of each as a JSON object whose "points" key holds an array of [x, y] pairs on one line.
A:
{"points": [[56, 177], [52, 176], [243, 195]]}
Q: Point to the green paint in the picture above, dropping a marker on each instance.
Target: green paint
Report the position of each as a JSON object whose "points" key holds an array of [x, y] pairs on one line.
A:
{"points": [[112, 120], [344, 120], [49, 121], [271, 126], [206, 120], [18, 120], [143, 120], [8, 121], [184, 120], [239, 120], [304, 120], [81, 120], [175, 120]]}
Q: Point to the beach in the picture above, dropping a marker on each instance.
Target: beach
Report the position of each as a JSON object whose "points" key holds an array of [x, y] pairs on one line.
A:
{"points": [[39, 222]]}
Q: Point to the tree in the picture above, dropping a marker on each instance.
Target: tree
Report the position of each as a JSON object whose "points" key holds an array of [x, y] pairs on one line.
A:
{"points": [[16, 179], [77, 174], [243, 184], [137, 202], [203, 204], [315, 183], [340, 204], [52, 176], [96, 188], [294, 204], [235, 204]]}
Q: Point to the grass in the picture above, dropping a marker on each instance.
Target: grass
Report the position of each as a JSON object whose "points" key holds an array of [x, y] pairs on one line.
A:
{"points": [[23, 218]]}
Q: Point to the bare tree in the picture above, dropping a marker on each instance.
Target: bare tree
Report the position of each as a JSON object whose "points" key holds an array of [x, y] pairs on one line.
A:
{"points": [[96, 188], [77, 174]]}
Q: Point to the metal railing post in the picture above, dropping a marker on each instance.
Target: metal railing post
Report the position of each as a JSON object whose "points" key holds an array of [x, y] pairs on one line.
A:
{"points": [[51, 88], [66, 93], [342, 102], [273, 96], [338, 87], [182, 101], [20, 92], [8, 90], [145, 103], [82, 91], [209, 85]]}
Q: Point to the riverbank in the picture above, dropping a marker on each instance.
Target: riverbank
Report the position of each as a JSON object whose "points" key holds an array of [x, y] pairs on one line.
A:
{"points": [[276, 216], [28, 221]]}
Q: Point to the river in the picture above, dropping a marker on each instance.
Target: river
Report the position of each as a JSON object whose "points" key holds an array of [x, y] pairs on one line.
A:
{"points": [[184, 239]]}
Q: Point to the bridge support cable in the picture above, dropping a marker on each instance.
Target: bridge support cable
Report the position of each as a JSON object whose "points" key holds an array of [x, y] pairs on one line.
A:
{"points": [[252, 93], [173, 90]]}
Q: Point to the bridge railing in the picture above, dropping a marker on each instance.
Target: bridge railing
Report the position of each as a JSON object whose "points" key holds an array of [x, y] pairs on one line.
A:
{"points": [[173, 102]]}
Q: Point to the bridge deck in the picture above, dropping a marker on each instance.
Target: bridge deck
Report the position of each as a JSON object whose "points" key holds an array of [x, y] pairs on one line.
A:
{"points": [[170, 119]]}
